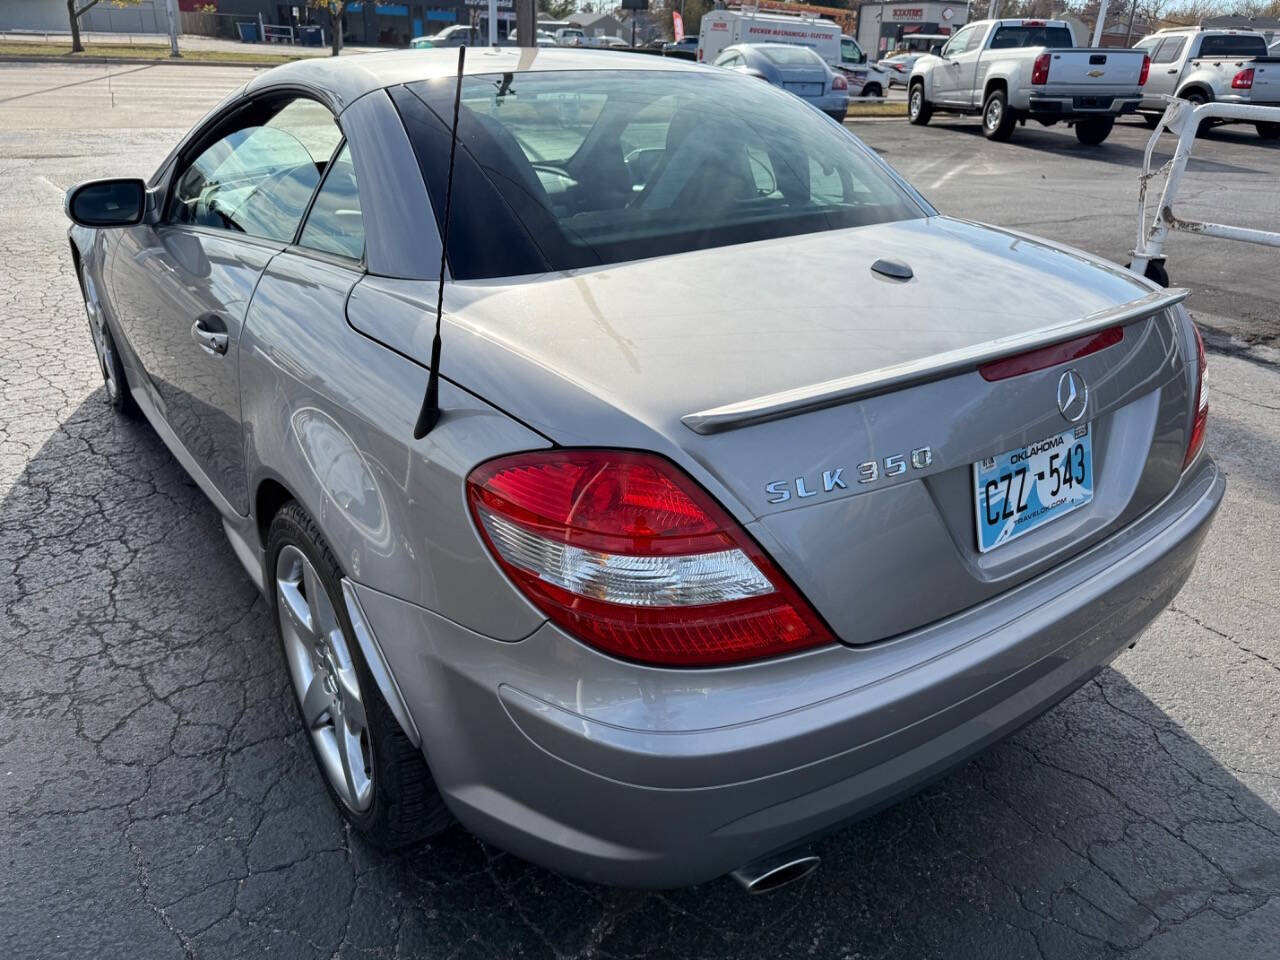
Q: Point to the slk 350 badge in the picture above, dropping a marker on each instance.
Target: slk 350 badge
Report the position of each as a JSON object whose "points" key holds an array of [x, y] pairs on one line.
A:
{"points": [[780, 491]]}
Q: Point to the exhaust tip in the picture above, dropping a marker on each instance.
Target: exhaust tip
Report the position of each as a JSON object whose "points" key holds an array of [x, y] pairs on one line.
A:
{"points": [[767, 875]]}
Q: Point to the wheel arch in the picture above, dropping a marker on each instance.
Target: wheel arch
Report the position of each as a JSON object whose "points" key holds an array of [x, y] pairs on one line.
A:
{"points": [[992, 84], [269, 495], [1195, 86]]}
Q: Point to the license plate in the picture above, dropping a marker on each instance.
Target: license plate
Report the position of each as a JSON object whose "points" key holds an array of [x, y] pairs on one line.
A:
{"points": [[1023, 489], [805, 89]]}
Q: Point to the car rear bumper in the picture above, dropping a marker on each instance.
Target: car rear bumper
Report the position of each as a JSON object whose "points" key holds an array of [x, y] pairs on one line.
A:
{"points": [[1067, 108], [643, 777]]}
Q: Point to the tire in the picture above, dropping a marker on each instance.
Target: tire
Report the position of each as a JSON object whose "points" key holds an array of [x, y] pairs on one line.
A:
{"points": [[872, 90], [1268, 131], [114, 378], [919, 110], [997, 119], [375, 776], [1196, 97], [1155, 271], [1150, 119], [1093, 131]]}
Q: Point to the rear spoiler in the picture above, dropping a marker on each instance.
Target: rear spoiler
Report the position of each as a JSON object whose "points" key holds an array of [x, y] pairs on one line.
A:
{"points": [[832, 393]]}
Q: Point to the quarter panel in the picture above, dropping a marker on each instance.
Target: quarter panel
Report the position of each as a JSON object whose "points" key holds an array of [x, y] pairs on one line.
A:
{"points": [[330, 414]]}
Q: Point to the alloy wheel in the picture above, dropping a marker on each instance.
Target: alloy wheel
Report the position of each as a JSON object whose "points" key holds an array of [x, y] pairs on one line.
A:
{"points": [[324, 678], [994, 112], [916, 98]]}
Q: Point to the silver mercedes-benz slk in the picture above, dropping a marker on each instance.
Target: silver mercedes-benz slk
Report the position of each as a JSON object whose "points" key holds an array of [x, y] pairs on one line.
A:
{"points": [[748, 493]]}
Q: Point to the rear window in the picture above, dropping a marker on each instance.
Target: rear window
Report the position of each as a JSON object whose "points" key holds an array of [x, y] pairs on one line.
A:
{"points": [[1242, 45], [1053, 37], [791, 56], [559, 170]]}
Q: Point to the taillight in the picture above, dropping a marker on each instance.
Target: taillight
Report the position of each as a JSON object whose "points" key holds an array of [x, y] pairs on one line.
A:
{"points": [[627, 553], [839, 82], [1045, 357], [1243, 80], [1040, 70], [1146, 69], [1196, 442]]}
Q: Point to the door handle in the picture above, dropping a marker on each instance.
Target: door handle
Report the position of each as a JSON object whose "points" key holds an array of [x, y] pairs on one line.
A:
{"points": [[212, 341], [1174, 70]]}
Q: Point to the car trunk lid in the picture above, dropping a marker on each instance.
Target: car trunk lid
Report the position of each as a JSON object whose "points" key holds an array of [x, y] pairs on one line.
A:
{"points": [[623, 355]]}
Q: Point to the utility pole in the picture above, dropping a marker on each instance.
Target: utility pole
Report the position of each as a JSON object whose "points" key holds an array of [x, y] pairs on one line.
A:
{"points": [[527, 22], [493, 23], [170, 8], [1102, 19]]}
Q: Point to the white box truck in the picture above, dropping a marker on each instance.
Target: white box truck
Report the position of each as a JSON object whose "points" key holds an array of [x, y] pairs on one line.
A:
{"points": [[721, 28]]}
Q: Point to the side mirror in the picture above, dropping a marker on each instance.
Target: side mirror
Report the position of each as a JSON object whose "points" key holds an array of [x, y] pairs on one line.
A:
{"points": [[107, 203], [936, 50]]}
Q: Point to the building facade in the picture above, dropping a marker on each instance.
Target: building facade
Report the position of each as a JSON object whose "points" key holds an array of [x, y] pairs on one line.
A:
{"points": [[881, 26]]}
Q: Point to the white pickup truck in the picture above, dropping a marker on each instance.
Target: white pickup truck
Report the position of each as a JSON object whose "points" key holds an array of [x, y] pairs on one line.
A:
{"points": [[1010, 71], [1198, 64]]}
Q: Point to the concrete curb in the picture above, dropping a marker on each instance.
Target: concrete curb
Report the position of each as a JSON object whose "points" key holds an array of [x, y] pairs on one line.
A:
{"points": [[66, 60]]}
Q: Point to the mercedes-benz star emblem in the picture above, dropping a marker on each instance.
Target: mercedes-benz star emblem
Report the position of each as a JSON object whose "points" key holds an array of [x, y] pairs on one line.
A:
{"points": [[1073, 395]]}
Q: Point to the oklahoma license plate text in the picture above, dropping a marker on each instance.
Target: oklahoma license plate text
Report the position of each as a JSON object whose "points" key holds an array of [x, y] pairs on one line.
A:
{"points": [[1022, 489]]}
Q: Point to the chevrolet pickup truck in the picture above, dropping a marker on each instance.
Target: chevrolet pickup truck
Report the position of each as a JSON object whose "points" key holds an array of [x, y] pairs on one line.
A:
{"points": [[1010, 71], [1192, 63]]}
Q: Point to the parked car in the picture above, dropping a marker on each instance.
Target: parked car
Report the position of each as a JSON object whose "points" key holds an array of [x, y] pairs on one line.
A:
{"points": [[897, 68], [1199, 64], [571, 37], [797, 70], [542, 38], [1009, 71], [614, 43], [676, 566], [723, 28], [686, 47], [454, 36]]}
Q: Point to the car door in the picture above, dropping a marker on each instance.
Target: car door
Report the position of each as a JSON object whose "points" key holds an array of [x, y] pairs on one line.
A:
{"points": [[1165, 70], [947, 76], [967, 92], [183, 285]]}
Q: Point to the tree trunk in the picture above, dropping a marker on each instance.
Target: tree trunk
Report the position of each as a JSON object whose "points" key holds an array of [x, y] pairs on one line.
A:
{"points": [[76, 46], [335, 30]]}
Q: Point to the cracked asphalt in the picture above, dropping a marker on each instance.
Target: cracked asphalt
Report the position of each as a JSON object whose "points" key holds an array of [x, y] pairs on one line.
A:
{"points": [[157, 800]]}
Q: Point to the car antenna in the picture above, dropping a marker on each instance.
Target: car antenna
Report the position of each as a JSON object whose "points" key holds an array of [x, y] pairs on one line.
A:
{"points": [[429, 415]]}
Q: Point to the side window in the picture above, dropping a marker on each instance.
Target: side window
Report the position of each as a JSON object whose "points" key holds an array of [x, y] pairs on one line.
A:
{"points": [[727, 60], [850, 52], [1169, 50], [959, 43], [1148, 46], [258, 179], [334, 224]]}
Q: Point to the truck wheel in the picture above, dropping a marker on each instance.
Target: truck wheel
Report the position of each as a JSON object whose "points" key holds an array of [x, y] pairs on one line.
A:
{"points": [[1094, 130], [1195, 98], [1268, 131], [919, 110], [997, 119], [872, 90]]}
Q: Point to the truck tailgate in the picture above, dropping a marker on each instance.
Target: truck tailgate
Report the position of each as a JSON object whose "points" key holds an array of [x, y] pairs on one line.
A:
{"points": [[1266, 80], [1094, 70]]}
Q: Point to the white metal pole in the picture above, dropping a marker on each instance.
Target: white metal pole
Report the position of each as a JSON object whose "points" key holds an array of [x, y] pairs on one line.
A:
{"points": [[1102, 19], [493, 23], [170, 8]]}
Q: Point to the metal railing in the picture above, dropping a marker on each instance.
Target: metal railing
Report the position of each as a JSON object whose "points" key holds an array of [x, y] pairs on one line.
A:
{"points": [[1183, 118]]}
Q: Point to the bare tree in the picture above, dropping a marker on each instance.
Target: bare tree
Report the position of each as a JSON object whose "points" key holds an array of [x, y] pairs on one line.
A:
{"points": [[77, 9], [335, 9]]}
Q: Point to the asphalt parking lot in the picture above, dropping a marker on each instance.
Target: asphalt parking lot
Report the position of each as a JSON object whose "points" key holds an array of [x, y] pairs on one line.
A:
{"points": [[157, 800]]}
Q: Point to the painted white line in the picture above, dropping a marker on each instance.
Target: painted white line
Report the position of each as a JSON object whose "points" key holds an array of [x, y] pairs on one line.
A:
{"points": [[51, 185], [949, 174]]}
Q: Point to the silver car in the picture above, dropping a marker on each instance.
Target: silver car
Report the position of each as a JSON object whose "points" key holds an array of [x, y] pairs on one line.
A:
{"points": [[797, 70], [751, 493]]}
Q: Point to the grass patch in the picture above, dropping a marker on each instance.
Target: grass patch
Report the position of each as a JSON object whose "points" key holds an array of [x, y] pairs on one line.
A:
{"points": [[856, 109], [138, 51]]}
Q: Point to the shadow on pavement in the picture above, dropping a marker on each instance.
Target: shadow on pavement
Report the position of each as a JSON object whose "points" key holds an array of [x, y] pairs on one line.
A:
{"points": [[159, 801]]}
